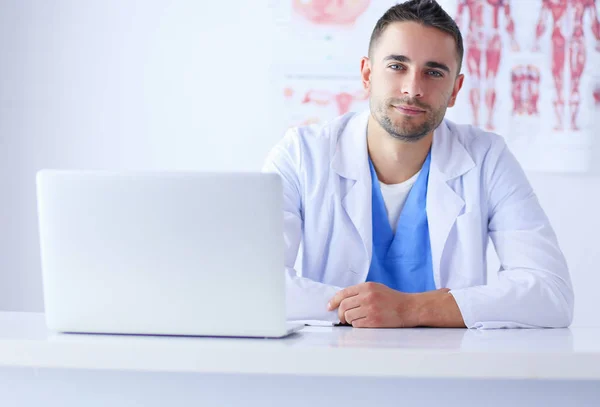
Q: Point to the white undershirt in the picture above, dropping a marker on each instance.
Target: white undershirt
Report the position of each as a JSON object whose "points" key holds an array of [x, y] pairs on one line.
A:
{"points": [[394, 197]]}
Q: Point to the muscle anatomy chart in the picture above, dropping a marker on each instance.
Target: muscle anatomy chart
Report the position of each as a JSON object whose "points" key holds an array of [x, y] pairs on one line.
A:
{"points": [[568, 57], [484, 50], [525, 90], [530, 77]]}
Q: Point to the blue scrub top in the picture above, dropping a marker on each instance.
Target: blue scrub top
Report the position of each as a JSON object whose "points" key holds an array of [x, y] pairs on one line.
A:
{"points": [[402, 261]]}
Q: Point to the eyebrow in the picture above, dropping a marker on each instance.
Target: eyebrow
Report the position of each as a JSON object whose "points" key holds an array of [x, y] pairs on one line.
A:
{"points": [[429, 64]]}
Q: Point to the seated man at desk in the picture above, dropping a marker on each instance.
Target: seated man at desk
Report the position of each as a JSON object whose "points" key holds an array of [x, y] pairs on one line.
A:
{"points": [[393, 207]]}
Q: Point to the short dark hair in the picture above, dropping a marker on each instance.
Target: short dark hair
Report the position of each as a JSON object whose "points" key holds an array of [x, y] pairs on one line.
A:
{"points": [[426, 12]]}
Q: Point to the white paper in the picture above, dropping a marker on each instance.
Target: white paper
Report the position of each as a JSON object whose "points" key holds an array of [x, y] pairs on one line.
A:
{"points": [[314, 322]]}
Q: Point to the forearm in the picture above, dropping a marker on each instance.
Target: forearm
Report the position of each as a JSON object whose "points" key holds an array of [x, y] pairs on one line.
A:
{"points": [[519, 299], [438, 309]]}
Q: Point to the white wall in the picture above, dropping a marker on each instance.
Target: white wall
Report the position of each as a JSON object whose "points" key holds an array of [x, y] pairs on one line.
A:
{"points": [[169, 84], [122, 84]]}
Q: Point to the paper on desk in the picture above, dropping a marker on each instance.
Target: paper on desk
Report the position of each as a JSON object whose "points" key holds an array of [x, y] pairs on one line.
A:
{"points": [[314, 322]]}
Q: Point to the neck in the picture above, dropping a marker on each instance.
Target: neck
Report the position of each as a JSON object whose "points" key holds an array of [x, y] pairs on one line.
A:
{"points": [[395, 161]]}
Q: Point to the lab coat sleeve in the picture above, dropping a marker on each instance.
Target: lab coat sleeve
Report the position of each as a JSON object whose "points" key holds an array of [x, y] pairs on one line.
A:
{"points": [[534, 287], [306, 299]]}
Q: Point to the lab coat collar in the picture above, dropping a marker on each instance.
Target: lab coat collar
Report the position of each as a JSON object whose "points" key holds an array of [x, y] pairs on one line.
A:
{"points": [[448, 155], [350, 160], [449, 160], [351, 163]]}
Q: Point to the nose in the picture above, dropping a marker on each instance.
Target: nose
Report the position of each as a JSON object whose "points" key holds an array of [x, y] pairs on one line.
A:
{"points": [[412, 85]]}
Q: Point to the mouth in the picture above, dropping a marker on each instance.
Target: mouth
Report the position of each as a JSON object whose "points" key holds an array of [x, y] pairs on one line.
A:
{"points": [[409, 110]]}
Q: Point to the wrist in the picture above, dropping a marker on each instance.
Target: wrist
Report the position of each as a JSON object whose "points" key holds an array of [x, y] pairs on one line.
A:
{"points": [[423, 308], [437, 309]]}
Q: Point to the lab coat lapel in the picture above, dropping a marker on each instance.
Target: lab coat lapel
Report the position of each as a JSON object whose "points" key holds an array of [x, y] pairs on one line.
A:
{"points": [[449, 160], [351, 163]]}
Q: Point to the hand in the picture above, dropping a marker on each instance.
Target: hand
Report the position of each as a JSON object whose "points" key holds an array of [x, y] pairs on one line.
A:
{"points": [[374, 305]]}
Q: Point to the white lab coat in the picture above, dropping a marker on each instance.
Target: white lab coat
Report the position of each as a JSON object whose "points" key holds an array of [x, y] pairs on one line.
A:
{"points": [[476, 190]]}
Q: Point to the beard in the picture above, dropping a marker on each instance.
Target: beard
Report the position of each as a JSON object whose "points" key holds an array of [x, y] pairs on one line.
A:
{"points": [[410, 129]]}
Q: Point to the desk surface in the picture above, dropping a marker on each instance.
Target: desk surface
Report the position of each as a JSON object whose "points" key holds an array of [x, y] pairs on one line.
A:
{"points": [[562, 354]]}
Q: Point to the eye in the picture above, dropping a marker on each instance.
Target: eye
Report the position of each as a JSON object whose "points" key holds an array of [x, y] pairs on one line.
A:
{"points": [[435, 74], [396, 67]]}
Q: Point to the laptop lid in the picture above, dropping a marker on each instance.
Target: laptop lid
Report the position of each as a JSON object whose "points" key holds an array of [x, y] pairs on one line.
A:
{"points": [[178, 253]]}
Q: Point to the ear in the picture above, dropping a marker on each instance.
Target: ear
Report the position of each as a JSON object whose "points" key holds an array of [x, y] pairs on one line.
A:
{"points": [[457, 86], [365, 73]]}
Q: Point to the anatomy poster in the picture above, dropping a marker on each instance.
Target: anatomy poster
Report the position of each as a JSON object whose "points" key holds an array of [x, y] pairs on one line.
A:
{"points": [[529, 70], [308, 99], [530, 76], [318, 47]]}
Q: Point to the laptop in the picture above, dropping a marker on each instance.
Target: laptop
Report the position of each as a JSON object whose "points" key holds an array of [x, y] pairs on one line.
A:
{"points": [[163, 253]]}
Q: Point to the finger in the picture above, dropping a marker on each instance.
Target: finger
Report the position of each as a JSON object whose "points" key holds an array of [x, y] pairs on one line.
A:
{"points": [[355, 313], [341, 295], [360, 323], [347, 304]]}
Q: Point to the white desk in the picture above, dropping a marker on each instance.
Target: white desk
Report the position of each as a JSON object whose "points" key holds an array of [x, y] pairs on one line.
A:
{"points": [[318, 366]]}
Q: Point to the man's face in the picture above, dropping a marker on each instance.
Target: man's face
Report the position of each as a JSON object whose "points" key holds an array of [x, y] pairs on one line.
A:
{"points": [[411, 77]]}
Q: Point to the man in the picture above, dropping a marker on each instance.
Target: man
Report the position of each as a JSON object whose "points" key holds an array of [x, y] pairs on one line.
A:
{"points": [[394, 206]]}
